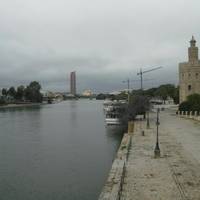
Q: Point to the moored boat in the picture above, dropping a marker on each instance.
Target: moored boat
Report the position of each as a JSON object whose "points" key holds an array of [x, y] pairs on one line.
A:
{"points": [[116, 112]]}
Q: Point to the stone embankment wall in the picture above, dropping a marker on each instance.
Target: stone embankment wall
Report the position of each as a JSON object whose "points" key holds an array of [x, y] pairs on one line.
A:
{"points": [[189, 114], [113, 187]]}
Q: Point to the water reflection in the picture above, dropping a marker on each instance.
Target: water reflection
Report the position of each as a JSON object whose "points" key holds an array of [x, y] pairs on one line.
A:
{"points": [[115, 131], [73, 112], [20, 109]]}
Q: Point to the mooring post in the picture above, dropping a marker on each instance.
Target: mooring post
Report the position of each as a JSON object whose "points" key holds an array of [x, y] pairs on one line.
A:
{"points": [[130, 126]]}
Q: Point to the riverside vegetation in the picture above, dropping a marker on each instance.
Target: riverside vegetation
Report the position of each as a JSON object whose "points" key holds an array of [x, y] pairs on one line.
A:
{"points": [[28, 94], [162, 92], [191, 104], [139, 99]]}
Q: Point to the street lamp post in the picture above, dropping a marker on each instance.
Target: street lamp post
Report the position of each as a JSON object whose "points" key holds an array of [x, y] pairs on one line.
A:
{"points": [[148, 126], [157, 149]]}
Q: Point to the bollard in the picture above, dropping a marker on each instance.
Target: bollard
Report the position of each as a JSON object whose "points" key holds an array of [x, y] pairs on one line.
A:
{"points": [[190, 114], [195, 115], [142, 132], [130, 126]]}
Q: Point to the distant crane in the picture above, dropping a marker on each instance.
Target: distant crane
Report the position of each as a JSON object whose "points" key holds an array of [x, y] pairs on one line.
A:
{"points": [[128, 82], [143, 72], [128, 85]]}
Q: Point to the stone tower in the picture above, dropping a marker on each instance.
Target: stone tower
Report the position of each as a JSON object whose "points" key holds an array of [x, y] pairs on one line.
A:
{"points": [[189, 73]]}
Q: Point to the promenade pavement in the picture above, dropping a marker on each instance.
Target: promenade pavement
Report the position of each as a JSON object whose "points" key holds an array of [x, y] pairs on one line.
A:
{"points": [[173, 176]]}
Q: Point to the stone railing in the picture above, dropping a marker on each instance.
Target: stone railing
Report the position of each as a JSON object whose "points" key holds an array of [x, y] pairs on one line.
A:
{"points": [[189, 114], [113, 187]]}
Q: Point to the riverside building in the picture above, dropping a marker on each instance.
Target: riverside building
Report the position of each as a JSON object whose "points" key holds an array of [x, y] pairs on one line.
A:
{"points": [[189, 73]]}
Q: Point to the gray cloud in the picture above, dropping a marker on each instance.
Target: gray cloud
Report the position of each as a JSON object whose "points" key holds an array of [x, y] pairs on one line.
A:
{"points": [[105, 41]]}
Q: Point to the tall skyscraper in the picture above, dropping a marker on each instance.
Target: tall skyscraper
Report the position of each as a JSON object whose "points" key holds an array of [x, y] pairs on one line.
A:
{"points": [[73, 83]]}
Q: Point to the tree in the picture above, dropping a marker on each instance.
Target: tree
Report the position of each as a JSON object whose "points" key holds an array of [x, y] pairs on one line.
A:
{"points": [[165, 91], [20, 92], [100, 96], [12, 92], [4, 92], [35, 86], [32, 92], [150, 92], [194, 99], [138, 105], [2, 101], [176, 95], [122, 96]]}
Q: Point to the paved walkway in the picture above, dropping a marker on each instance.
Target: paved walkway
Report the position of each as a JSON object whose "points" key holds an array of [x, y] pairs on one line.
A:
{"points": [[174, 176]]}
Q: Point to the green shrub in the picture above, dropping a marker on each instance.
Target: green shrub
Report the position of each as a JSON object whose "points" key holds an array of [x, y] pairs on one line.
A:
{"points": [[192, 103], [185, 106], [2, 102]]}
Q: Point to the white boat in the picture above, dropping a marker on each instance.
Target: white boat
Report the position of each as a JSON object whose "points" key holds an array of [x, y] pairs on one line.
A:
{"points": [[110, 105], [110, 120], [116, 112]]}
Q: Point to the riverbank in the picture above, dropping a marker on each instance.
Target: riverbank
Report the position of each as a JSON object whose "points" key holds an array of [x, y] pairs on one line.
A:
{"points": [[113, 186], [173, 176], [21, 105]]}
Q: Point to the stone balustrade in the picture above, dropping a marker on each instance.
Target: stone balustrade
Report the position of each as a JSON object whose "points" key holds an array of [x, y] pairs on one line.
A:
{"points": [[195, 115]]}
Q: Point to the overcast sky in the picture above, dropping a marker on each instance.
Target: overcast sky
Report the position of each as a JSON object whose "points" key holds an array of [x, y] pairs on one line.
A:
{"points": [[104, 41]]}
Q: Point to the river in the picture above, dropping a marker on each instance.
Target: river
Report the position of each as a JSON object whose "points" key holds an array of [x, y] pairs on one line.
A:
{"points": [[55, 152]]}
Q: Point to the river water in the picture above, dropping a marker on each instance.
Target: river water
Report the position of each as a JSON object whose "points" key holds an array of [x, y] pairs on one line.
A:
{"points": [[55, 152]]}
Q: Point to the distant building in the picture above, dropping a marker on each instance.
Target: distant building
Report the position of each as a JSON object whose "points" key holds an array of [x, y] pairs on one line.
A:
{"points": [[73, 83], [189, 73], [87, 93], [46, 95]]}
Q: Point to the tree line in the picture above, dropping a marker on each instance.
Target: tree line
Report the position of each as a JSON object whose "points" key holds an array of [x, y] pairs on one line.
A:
{"points": [[162, 92], [30, 93]]}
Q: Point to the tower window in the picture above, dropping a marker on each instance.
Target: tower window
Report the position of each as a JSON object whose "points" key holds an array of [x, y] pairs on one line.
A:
{"points": [[189, 75], [189, 87], [197, 75]]}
